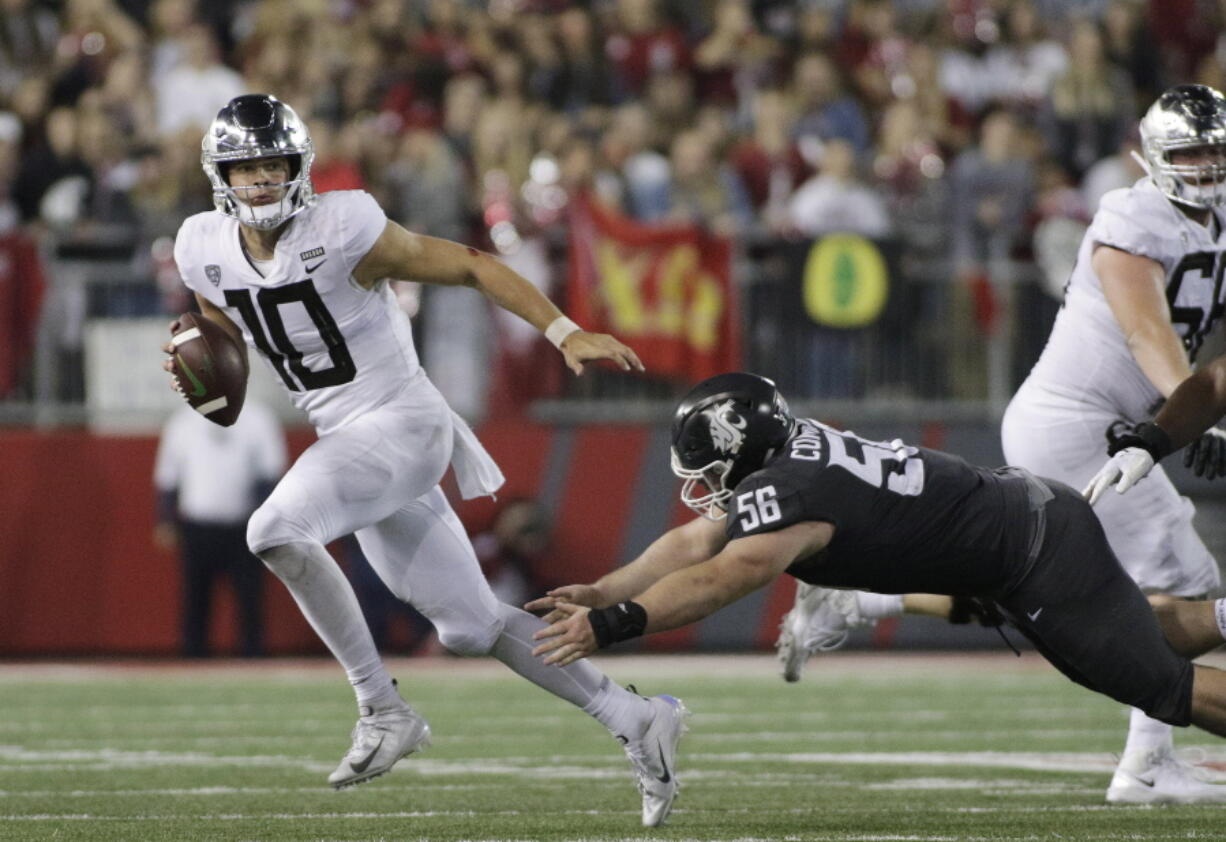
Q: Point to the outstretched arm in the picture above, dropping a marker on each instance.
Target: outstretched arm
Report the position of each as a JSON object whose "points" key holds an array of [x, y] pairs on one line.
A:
{"points": [[683, 596], [681, 547], [402, 255]]}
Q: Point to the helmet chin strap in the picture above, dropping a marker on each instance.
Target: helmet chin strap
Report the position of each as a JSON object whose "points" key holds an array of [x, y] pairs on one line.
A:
{"points": [[265, 216]]}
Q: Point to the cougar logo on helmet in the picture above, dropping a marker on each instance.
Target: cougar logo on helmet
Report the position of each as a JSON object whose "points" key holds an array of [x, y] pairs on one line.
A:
{"points": [[727, 427], [724, 429]]}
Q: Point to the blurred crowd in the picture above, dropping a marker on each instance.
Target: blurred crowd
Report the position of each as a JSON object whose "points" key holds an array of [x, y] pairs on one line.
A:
{"points": [[959, 127]]}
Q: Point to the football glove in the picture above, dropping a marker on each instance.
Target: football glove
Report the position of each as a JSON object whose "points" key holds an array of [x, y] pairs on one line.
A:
{"points": [[1123, 470], [1207, 455]]}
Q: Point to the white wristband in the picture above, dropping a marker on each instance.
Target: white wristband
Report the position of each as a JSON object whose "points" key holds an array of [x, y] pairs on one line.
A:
{"points": [[559, 329]]}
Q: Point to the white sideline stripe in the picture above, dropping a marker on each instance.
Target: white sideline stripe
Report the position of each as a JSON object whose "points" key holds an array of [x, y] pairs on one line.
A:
{"points": [[1051, 761], [1040, 761], [213, 405], [186, 336], [710, 778], [483, 739], [17, 758]]}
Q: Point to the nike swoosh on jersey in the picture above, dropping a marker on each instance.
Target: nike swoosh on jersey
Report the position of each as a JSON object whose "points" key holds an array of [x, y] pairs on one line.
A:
{"points": [[361, 765], [311, 269], [1035, 615]]}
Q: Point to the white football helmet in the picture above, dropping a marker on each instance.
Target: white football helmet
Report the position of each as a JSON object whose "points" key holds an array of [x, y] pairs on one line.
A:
{"points": [[258, 126], [1189, 118]]}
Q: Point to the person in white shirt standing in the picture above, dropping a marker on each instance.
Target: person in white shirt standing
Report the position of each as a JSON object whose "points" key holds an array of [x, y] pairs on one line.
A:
{"points": [[1146, 290], [209, 480], [303, 279]]}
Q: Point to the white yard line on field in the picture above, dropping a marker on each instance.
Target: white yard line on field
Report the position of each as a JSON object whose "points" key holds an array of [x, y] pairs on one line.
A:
{"points": [[869, 667]]}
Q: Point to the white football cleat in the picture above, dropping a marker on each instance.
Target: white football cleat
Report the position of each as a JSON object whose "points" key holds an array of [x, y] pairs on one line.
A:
{"points": [[1160, 778], [820, 620], [654, 758], [379, 741]]}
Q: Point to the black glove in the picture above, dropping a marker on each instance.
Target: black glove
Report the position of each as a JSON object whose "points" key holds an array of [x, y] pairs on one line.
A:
{"points": [[1207, 455], [1147, 435]]}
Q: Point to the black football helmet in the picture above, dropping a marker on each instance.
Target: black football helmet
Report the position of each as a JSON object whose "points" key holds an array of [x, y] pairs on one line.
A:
{"points": [[724, 430], [258, 126], [1191, 118]]}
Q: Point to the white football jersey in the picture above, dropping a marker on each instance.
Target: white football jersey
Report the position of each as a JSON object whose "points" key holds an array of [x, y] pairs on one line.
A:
{"points": [[1087, 359], [339, 349]]}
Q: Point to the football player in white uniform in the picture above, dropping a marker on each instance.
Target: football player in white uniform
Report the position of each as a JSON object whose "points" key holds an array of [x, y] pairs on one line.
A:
{"points": [[1146, 290], [303, 280]]}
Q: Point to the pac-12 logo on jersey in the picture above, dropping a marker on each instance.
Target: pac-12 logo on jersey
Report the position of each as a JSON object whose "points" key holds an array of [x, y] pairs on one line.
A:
{"points": [[726, 427]]}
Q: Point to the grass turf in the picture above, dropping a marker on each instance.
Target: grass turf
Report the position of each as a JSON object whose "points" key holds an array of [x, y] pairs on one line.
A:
{"points": [[865, 748]]}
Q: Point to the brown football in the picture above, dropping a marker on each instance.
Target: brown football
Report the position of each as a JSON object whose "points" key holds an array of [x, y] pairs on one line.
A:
{"points": [[209, 368]]}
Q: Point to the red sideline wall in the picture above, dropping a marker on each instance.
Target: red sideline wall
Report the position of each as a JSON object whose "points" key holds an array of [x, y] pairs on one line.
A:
{"points": [[79, 573]]}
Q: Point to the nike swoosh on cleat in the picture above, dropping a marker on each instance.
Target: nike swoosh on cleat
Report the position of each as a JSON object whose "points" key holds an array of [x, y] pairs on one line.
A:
{"points": [[1141, 780], [361, 765], [623, 740], [1034, 617], [666, 777], [311, 269]]}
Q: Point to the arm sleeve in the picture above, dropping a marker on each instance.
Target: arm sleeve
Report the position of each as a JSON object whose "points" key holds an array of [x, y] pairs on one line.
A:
{"points": [[361, 223]]}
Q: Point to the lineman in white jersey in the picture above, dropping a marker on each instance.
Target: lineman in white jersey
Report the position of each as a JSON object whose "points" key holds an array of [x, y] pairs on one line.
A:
{"points": [[302, 279], [1146, 290]]}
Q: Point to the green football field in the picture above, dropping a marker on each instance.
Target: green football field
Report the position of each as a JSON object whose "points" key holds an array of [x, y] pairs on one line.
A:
{"points": [[866, 748]]}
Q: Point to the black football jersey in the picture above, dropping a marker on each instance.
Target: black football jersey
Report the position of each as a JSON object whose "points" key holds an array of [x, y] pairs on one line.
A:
{"points": [[906, 519]]}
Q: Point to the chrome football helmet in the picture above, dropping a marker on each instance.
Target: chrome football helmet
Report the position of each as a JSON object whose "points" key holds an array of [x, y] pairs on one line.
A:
{"points": [[1189, 119], [258, 126], [726, 428]]}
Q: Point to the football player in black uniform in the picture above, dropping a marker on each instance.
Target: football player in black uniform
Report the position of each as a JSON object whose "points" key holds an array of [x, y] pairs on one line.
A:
{"points": [[784, 495]]}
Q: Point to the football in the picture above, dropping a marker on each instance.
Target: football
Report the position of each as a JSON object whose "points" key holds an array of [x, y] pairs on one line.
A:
{"points": [[210, 369]]}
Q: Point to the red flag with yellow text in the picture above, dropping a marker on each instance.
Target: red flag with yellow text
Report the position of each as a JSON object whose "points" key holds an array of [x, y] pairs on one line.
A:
{"points": [[664, 290]]}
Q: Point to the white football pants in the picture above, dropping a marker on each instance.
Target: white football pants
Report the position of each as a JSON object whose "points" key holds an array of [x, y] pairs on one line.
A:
{"points": [[1149, 528]]}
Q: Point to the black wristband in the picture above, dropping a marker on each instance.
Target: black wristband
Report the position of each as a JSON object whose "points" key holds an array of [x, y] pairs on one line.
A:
{"points": [[617, 622], [1148, 436]]}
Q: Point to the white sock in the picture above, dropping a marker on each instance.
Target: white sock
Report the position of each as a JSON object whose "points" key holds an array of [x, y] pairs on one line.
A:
{"points": [[874, 606], [580, 683], [624, 713], [1147, 736], [326, 599]]}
